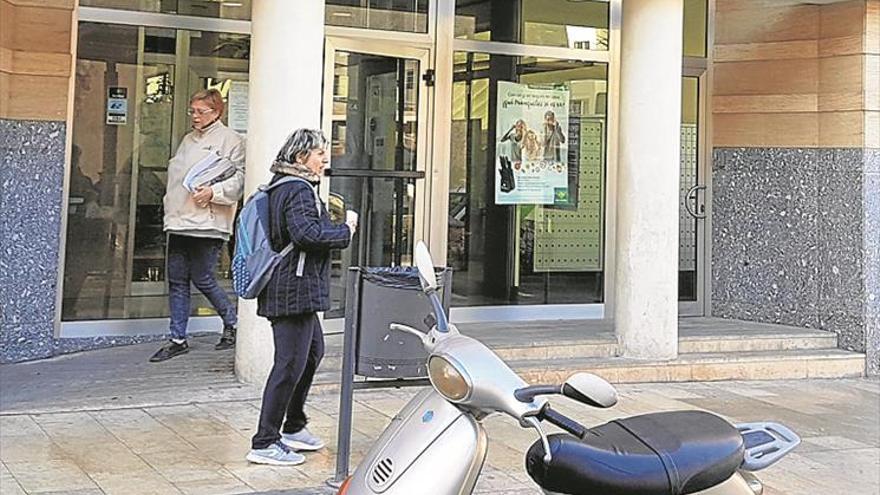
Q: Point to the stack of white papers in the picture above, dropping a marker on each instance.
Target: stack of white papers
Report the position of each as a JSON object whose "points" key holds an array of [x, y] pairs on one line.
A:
{"points": [[209, 170]]}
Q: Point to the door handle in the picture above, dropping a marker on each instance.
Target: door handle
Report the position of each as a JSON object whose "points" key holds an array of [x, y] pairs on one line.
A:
{"points": [[693, 193]]}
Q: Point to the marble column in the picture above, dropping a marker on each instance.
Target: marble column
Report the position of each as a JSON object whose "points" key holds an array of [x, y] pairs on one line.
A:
{"points": [[286, 75], [646, 248]]}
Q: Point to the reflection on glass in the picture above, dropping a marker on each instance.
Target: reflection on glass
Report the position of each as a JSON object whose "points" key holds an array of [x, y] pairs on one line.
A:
{"points": [[115, 249], [526, 250], [231, 9], [695, 20], [375, 121], [687, 257], [581, 25], [387, 15], [218, 48], [374, 137]]}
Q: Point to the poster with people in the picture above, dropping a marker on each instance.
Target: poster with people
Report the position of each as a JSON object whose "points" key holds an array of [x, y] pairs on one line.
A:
{"points": [[531, 145]]}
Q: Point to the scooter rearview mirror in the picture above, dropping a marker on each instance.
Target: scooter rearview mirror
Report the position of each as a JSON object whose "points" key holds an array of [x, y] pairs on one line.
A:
{"points": [[590, 389], [425, 265]]}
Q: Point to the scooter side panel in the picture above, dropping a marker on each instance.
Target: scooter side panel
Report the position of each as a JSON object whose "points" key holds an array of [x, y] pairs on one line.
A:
{"points": [[417, 403], [450, 466], [735, 485], [435, 449]]}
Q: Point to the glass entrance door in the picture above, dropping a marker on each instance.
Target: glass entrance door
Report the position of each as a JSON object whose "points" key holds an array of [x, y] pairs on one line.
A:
{"points": [[376, 115], [692, 199], [115, 246]]}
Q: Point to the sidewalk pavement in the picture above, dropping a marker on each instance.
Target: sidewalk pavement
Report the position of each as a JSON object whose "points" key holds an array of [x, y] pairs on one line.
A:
{"points": [[195, 441]]}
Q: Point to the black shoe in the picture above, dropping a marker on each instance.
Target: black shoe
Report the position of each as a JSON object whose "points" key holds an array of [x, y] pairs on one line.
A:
{"points": [[227, 340], [170, 350]]}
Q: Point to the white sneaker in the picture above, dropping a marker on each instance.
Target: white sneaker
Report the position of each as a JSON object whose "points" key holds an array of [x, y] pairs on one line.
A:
{"points": [[276, 454], [302, 440]]}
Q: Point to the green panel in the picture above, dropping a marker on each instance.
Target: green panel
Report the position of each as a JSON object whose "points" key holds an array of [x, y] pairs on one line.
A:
{"points": [[571, 240]]}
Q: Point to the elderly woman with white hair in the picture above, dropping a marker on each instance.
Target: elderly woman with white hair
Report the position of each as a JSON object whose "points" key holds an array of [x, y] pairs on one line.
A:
{"points": [[298, 289]]}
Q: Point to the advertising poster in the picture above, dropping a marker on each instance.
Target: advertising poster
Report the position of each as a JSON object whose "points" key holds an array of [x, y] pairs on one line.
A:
{"points": [[531, 145]]}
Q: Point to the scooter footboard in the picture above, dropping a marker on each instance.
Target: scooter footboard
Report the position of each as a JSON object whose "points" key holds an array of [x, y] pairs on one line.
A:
{"points": [[765, 443]]}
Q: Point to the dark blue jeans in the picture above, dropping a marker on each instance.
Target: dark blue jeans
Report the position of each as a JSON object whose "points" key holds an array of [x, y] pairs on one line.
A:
{"points": [[299, 348], [193, 260]]}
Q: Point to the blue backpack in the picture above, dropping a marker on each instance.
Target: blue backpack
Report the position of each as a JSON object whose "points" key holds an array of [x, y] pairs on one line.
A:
{"points": [[255, 261]]}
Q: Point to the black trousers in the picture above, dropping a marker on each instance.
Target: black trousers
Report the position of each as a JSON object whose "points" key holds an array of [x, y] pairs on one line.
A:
{"points": [[299, 348]]}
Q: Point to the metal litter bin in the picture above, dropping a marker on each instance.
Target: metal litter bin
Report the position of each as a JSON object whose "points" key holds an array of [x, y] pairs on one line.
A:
{"points": [[379, 297]]}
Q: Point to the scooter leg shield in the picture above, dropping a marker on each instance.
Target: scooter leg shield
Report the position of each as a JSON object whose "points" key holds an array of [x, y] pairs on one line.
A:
{"points": [[430, 448]]}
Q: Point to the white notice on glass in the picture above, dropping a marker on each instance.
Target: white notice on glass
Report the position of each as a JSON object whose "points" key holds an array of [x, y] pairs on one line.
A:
{"points": [[238, 106]]}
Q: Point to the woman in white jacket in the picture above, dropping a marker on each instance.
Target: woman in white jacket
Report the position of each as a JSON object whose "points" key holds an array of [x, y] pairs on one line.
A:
{"points": [[199, 219]]}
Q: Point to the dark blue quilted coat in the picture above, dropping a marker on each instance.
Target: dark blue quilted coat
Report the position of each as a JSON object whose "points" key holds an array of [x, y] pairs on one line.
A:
{"points": [[294, 216]]}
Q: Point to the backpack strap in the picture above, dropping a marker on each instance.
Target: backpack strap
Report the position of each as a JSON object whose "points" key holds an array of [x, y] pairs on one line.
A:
{"points": [[290, 178], [287, 249], [283, 180]]}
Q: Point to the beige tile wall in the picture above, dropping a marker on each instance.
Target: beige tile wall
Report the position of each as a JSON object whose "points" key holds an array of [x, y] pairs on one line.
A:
{"points": [[35, 58], [788, 74]]}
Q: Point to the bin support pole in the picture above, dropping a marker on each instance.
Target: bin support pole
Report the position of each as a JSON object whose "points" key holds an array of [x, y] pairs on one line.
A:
{"points": [[346, 393]]}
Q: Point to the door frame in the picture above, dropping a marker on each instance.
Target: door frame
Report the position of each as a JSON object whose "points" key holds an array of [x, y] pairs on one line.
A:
{"points": [[132, 326], [424, 112], [697, 69]]}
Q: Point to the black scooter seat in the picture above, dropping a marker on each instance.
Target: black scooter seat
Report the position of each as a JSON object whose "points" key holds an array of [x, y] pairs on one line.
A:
{"points": [[671, 453]]}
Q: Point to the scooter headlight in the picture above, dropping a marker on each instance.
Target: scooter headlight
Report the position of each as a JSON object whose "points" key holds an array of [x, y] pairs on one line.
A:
{"points": [[448, 379]]}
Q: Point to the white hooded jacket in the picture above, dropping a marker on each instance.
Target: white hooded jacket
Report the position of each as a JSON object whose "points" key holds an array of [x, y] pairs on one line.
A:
{"points": [[182, 214]]}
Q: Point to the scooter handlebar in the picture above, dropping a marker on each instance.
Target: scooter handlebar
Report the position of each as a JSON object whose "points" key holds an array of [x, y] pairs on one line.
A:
{"points": [[408, 329], [439, 314], [562, 421]]}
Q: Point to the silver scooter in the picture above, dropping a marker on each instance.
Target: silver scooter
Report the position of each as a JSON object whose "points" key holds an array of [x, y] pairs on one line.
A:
{"points": [[436, 445]]}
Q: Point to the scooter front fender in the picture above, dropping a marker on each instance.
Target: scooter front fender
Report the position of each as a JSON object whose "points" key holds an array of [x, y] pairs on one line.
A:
{"points": [[430, 448]]}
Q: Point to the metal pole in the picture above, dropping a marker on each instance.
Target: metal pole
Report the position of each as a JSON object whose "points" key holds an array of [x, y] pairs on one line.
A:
{"points": [[346, 395]]}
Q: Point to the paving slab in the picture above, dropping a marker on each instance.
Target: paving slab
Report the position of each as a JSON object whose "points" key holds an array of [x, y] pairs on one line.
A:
{"points": [[199, 448]]}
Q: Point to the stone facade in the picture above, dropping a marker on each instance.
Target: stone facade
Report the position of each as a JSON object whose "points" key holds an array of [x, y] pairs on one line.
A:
{"points": [[31, 178], [794, 236], [872, 257]]}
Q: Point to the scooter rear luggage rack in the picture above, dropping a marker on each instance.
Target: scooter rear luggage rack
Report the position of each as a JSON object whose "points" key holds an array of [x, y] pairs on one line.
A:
{"points": [[765, 443]]}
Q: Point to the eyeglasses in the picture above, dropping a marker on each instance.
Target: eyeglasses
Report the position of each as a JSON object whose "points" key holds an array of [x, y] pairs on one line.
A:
{"points": [[198, 111]]}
